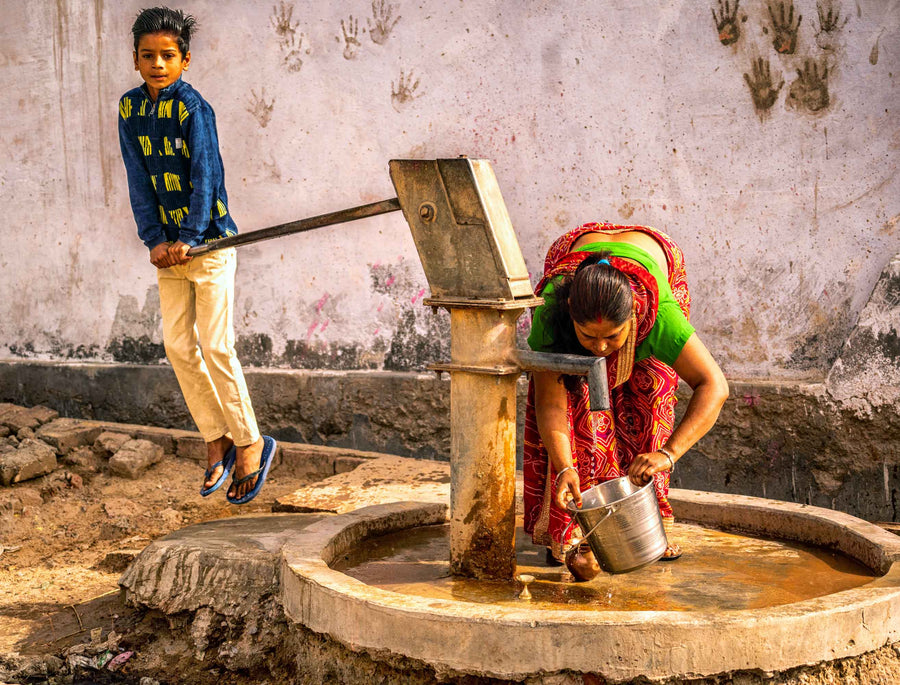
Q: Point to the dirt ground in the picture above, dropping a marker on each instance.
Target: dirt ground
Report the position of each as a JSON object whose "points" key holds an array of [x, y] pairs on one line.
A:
{"points": [[62, 554]]}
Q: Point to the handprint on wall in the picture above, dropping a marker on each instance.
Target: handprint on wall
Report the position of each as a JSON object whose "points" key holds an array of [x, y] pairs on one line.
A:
{"points": [[382, 26], [259, 108], [829, 24], [762, 89], [282, 21], [405, 90], [293, 57], [727, 22], [351, 37], [810, 90], [785, 40]]}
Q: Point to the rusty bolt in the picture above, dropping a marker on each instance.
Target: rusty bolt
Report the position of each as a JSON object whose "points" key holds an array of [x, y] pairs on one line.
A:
{"points": [[427, 212]]}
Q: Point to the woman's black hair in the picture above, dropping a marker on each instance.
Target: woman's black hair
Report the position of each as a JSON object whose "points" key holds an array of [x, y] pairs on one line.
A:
{"points": [[164, 20], [595, 291]]}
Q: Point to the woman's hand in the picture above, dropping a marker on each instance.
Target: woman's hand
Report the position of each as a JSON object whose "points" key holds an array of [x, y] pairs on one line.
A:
{"points": [[567, 483], [647, 465]]}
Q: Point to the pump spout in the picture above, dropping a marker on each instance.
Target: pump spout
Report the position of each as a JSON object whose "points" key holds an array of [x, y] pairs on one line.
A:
{"points": [[592, 367]]}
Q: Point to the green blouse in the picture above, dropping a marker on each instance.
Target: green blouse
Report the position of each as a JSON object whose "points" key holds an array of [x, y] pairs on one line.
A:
{"points": [[670, 331]]}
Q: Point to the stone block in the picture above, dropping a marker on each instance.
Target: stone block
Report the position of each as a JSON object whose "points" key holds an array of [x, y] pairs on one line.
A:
{"points": [[135, 457], [43, 414], [31, 459], [85, 459], [159, 436], [17, 499], [108, 443], [24, 433], [18, 418], [191, 447], [4, 431], [67, 434]]}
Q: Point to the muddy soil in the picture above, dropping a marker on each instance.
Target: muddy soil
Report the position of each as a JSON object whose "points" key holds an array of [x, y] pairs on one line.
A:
{"points": [[61, 555]]}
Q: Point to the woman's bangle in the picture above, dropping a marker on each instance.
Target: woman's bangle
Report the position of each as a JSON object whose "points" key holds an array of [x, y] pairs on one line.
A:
{"points": [[568, 468], [669, 456]]}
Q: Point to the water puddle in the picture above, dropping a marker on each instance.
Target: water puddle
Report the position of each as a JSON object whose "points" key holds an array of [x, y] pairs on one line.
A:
{"points": [[719, 571]]}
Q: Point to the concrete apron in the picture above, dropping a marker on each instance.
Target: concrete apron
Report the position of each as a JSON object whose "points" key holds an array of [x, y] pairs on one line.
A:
{"points": [[513, 643]]}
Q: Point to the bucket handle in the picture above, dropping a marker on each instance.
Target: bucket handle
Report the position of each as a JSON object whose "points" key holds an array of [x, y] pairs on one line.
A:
{"points": [[612, 510]]}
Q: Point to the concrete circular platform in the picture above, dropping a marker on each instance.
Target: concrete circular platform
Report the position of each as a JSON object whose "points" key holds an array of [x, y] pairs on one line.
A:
{"points": [[518, 642]]}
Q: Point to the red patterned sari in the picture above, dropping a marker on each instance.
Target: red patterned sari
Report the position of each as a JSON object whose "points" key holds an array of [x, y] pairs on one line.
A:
{"points": [[642, 395]]}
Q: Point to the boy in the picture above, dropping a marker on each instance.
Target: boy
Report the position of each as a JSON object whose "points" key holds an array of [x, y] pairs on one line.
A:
{"points": [[167, 133]]}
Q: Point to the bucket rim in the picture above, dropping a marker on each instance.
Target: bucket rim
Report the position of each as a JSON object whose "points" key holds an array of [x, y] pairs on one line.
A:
{"points": [[572, 509]]}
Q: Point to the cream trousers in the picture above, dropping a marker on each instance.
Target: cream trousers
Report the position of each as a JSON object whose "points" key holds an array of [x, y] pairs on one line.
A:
{"points": [[197, 304]]}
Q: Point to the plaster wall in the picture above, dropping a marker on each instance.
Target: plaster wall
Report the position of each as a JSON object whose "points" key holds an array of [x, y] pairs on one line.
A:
{"points": [[627, 112]]}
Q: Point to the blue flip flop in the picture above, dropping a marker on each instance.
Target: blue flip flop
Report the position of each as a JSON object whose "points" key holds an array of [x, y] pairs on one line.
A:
{"points": [[265, 461], [227, 464]]}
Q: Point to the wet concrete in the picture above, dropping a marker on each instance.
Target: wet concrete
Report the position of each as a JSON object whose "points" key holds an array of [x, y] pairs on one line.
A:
{"points": [[719, 571]]}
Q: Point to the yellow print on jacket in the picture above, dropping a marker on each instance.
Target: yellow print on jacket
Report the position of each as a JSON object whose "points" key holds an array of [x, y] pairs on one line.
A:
{"points": [[143, 110], [153, 180], [178, 214], [221, 207], [145, 145], [184, 150], [173, 181], [162, 215], [125, 108], [165, 110], [167, 147], [182, 113]]}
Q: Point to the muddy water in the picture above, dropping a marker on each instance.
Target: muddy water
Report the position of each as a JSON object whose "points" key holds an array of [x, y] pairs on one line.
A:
{"points": [[719, 571]]}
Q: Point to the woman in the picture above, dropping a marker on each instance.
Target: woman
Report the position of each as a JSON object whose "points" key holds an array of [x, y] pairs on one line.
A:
{"points": [[618, 292]]}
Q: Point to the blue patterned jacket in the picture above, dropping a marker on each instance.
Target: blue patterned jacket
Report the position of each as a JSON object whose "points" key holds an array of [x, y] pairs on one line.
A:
{"points": [[176, 180]]}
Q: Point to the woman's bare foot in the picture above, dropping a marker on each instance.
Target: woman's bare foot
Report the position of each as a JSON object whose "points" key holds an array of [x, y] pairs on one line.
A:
{"points": [[215, 452], [248, 460]]}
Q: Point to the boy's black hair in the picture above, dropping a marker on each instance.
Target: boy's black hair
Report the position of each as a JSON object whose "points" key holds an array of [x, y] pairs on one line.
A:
{"points": [[164, 20]]}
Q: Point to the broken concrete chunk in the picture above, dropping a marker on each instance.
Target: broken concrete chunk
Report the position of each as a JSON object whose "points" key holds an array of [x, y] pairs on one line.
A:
{"points": [[107, 443], [31, 459], [43, 414], [18, 418], [25, 433], [17, 499], [160, 436], [67, 434], [135, 457], [86, 459]]}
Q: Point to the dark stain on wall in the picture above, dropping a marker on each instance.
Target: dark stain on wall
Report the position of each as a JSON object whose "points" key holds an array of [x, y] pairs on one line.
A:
{"points": [[254, 349], [140, 350], [24, 350], [300, 354], [411, 350]]}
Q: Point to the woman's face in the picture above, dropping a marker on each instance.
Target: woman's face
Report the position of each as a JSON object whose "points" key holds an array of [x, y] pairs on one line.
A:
{"points": [[602, 338]]}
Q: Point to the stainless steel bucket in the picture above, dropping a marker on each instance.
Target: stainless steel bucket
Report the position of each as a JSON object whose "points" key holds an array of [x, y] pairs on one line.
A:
{"points": [[622, 524]]}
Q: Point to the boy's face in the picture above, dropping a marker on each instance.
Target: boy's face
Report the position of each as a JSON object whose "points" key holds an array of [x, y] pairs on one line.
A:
{"points": [[159, 60]]}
